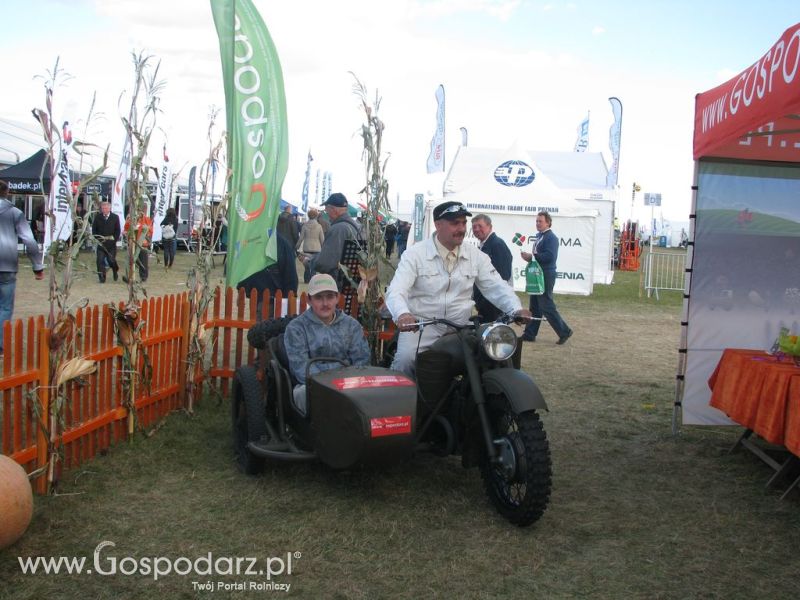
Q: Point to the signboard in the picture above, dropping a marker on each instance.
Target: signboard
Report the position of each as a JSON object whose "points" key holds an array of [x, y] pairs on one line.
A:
{"points": [[575, 265], [652, 199]]}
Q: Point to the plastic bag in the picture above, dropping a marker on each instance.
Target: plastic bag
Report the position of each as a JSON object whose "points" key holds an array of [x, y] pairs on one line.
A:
{"points": [[167, 232], [534, 279]]}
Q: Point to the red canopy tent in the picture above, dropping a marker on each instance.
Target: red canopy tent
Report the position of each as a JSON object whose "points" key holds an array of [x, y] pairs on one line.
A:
{"points": [[755, 115], [743, 261]]}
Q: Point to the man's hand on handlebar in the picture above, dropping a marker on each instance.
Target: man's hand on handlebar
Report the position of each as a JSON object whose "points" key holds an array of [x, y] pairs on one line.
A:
{"points": [[407, 322], [523, 316]]}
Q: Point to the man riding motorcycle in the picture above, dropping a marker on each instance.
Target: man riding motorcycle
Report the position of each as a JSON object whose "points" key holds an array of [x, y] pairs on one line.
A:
{"points": [[435, 279]]}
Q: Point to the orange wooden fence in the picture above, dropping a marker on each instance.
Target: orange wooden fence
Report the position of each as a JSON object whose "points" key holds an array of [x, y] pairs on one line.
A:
{"points": [[94, 416]]}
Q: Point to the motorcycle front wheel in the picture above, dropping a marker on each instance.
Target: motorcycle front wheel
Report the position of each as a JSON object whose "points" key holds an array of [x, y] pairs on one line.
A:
{"points": [[519, 485]]}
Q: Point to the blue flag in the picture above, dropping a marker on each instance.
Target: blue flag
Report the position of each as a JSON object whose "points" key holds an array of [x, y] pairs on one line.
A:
{"points": [[305, 183]]}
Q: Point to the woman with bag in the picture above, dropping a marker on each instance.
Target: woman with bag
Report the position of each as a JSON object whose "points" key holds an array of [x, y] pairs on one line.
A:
{"points": [[169, 242], [310, 241], [545, 253]]}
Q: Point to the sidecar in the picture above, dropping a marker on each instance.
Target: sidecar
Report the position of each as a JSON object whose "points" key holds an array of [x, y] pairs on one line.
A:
{"points": [[355, 415]]}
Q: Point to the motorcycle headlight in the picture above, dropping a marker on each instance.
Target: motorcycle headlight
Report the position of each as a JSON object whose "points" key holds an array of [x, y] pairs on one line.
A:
{"points": [[499, 341]]}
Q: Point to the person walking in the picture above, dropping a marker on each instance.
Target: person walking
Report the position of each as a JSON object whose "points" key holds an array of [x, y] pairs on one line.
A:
{"points": [[343, 228], [498, 252], [403, 229], [324, 222], [144, 233], [169, 227], [389, 235], [106, 231], [13, 226], [545, 251], [310, 241]]}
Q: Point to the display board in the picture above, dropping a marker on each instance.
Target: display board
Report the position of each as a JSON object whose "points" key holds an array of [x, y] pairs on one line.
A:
{"points": [[745, 269]]}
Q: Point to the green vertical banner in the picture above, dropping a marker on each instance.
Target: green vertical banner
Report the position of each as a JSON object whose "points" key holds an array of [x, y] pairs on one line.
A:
{"points": [[257, 138]]}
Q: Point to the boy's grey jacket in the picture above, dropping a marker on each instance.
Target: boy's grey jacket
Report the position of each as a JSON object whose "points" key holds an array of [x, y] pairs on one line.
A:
{"points": [[307, 337]]}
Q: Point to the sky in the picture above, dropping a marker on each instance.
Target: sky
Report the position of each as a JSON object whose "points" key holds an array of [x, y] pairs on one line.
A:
{"points": [[513, 71]]}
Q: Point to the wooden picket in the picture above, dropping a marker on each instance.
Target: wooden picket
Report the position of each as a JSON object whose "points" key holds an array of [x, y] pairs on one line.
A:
{"points": [[94, 416], [18, 386]]}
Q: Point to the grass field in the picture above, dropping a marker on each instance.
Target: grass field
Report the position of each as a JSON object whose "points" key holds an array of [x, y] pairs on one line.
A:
{"points": [[635, 511]]}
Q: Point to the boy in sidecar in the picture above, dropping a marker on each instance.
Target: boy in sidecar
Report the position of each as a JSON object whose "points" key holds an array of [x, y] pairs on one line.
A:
{"points": [[322, 331]]}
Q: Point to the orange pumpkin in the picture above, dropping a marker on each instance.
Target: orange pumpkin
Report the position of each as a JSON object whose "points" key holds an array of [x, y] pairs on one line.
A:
{"points": [[16, 501]]}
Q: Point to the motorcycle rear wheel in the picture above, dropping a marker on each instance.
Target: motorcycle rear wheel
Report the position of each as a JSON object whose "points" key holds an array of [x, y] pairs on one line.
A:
{"points": [[519, 489], [248, 416]]}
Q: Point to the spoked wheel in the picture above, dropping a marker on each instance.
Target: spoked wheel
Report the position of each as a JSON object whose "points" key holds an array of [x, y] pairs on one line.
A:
{"points": [[519, 484], [248, 414]]}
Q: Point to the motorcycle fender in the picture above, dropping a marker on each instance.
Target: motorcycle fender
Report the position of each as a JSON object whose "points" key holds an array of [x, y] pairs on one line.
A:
{"points": [[519, 387]]}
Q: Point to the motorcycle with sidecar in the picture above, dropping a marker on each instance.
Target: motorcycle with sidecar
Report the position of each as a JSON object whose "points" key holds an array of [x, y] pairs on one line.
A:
{"points": [[470, 398]]}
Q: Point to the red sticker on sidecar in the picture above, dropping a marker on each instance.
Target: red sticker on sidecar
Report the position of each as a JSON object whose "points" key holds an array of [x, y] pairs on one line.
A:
{"points": [[382, 426], [372, 381]]}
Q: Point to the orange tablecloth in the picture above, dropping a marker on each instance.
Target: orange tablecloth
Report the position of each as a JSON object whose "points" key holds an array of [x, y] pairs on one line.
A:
{"points": [[792, 439], [760, 393]]}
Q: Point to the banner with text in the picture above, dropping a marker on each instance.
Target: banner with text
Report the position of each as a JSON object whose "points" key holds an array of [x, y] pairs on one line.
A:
{"points": [[60, 195], [163, 196], [257, 135], [575, 273], [305, 182], [614, 139], [436, 156], [753, 102], [582, 143], [121, 181]]}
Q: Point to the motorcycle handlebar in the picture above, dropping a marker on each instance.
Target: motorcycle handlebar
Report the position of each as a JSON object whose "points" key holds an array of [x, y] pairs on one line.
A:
{"points": [[474, 322], [423, 322]]}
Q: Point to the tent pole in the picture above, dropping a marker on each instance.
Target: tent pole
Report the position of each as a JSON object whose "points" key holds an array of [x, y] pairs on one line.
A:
{"points": [[680, 377]]}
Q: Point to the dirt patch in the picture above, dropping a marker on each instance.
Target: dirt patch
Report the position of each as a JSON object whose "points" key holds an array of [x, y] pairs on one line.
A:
{"points": [[32, 296]]}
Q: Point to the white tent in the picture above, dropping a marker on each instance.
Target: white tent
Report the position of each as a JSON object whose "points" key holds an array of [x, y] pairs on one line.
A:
{"points": [[582, 175], [511, 188]]}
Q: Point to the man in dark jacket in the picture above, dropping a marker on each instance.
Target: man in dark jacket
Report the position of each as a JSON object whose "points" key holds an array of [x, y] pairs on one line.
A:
{"points": [[389, 234], [106, 230], [500, 256], [280, 276], [545, 251], [287, 226], [343, 228]]}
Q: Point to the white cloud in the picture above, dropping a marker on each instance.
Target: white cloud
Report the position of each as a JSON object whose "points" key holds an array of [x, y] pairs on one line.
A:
{"points": [[500, 95], [500, 9]]}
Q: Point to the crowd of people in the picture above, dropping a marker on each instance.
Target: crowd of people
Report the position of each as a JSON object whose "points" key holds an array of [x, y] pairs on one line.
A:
{"points": [[318, 243], [439, 277]]}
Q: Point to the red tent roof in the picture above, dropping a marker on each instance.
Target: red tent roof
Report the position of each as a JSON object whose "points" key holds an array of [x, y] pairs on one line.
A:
{"points": [[756, 114]]}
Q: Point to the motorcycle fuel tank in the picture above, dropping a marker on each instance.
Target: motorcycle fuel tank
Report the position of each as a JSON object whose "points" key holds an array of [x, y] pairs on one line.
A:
{"points": [[362, 415]]}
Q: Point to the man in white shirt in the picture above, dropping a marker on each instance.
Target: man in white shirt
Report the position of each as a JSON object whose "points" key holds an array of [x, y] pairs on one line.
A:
{"points": [[435, 279]]}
